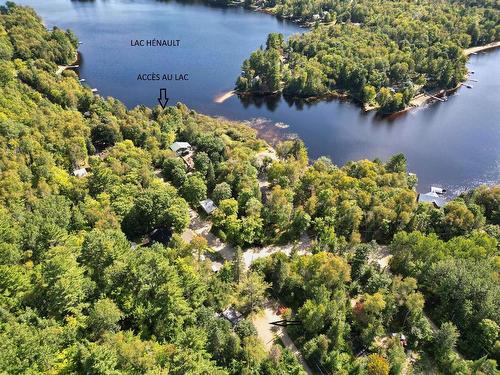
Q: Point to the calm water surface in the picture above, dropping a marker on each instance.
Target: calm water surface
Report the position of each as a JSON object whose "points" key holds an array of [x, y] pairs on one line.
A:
{"points": [[455, 144]]}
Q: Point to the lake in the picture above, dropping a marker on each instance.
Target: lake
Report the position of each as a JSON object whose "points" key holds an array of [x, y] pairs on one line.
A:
{"points": [[455, 144]]}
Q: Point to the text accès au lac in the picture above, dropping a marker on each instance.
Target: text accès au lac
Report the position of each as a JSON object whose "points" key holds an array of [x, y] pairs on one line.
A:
{"points": [[163, 77]]}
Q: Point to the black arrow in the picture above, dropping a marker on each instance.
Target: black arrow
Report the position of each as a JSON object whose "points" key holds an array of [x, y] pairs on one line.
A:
{"points": [[284, 323], [163, 100]]}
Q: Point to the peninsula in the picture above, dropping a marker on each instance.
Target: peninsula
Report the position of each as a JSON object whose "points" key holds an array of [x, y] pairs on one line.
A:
{"points": [[371, 52]]}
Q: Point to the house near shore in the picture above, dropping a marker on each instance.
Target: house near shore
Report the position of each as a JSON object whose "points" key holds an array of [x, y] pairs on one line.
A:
{"points": [[208, 206], [185, 151], [181, 148], [433, 198]]}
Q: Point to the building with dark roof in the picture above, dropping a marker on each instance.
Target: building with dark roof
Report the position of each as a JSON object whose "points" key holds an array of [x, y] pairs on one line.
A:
{"points": [[160, 235]]}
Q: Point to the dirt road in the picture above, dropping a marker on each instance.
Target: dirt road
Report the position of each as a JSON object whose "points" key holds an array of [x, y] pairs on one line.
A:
{"points": [[268, 333]]}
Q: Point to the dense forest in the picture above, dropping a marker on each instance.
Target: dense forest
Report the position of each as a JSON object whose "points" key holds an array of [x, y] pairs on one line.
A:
{"points": [[380, 53], [85, 288]]}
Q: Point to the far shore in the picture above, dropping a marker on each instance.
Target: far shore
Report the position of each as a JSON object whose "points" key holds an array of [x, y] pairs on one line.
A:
{"points": [[417, 101], [424, 98]]}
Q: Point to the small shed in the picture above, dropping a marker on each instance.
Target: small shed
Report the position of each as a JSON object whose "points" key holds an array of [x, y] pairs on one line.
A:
{"points": [[232, 315], [208, 206], [432, 198], [80, 172], [180, 147]]}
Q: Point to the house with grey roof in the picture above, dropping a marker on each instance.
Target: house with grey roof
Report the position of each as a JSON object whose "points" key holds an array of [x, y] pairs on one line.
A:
{"points": [[208, 206], [180, 148], [433, 198]]}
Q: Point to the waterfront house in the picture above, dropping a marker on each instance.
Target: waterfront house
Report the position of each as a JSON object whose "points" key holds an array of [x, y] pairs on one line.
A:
{"points": [[433, 198], [437, 190]]}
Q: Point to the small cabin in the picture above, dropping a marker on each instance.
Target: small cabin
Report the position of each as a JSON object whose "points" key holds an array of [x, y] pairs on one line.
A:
{"points": [[181, 148], [208, 206]]}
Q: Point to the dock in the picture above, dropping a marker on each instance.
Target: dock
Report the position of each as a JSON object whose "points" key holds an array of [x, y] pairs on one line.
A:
{"points": [[437, 97], [62, 68]]}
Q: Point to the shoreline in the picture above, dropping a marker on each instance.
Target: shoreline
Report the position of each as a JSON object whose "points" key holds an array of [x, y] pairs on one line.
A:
{"points": [[425, 98], [279, 137], [308, 99], [483, 48]]}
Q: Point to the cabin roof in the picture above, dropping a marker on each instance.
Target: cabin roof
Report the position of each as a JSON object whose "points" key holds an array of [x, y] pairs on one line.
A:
{"points": [[208, 206], [176, 146], [216, 266], [433, 198]]}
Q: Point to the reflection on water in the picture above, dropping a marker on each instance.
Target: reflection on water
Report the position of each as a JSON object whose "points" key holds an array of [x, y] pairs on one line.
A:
{"points": [[271, 102]]}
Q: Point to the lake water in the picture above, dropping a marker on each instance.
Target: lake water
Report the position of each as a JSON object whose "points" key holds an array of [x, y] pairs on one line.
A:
{"points": [[454, 144]]}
